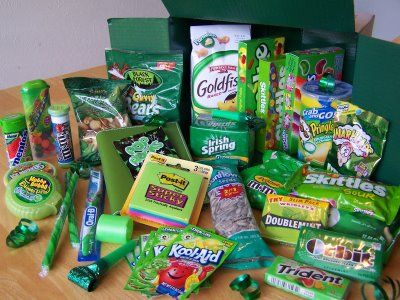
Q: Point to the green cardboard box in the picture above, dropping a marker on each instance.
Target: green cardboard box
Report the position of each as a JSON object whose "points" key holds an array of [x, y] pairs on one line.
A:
{"points": [[250, 53], [369, 64], [270, 102]]}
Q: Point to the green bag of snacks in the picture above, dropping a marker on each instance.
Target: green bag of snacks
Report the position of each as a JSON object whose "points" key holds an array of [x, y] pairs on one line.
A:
{"points": [[98, 104], [155, 82], [269, 177], [359, 137]]}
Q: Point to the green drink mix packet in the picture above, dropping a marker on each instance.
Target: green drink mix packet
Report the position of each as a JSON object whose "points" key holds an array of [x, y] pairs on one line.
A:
{"points": [[359, 137], [305, 281], [181, 267], [269, 177], [283, 216], [156, 80], [99, 104], [341, 254]]}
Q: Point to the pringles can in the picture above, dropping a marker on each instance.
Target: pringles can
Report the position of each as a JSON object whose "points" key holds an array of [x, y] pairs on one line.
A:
{"points": [[16, 138], [36, 102], [62, 133], [317, 120]]}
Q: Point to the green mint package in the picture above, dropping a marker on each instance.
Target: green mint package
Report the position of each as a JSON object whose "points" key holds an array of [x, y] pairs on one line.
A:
{"points": [[98, 104], [156, 80], [251, 52], [283, 216], [233, 218], [269, 177], [305, 281], [339, 253], [359, 137], [186, 263]]}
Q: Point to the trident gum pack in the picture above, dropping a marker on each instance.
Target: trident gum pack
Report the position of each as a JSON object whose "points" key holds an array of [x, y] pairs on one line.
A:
{"points": [[303, 66]]}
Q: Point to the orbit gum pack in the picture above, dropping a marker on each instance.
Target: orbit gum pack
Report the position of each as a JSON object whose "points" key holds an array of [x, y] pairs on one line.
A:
{"points": [[185, 264], [303, 66]]}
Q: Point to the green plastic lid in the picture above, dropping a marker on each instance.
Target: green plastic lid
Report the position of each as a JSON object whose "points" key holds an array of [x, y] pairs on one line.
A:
{"points": [[32, 85], [114, 229], [58, 110], [29, 166], [13, 123]]}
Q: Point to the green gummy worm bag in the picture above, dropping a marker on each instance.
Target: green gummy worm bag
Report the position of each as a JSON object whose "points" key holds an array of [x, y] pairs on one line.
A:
{"points": [[155, 78], [269, 177]]}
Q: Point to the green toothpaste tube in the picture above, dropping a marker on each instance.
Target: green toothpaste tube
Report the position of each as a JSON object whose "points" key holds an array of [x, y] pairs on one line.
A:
{"points": [[89, 249], [340, 253], [305, 281]]}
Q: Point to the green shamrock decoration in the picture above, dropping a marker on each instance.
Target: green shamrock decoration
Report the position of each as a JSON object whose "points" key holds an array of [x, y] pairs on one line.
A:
{"points": [[139, 149]]}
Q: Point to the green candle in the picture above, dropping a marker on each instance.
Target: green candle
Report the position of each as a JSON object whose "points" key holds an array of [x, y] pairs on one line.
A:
{"points": [[58, 226], [72, 226]]}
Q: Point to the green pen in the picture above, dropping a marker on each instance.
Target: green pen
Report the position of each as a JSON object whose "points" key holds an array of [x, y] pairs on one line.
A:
{"points": [[89, 249]]}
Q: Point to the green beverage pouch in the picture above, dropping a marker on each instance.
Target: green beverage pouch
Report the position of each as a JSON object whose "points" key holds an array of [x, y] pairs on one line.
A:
{"points": [[186, 263], [98, 104], [340, 253], [233, 218], [269, 177], [156, 80], [305, 281], [358, 140]]}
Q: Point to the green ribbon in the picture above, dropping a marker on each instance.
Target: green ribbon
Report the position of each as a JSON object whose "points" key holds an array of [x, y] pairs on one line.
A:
{"points": [[24, 233], [327, 83], [82, 168], [248, 287]]}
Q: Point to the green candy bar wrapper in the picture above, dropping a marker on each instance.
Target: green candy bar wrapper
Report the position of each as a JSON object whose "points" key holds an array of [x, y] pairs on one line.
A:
{"points": [[359, 137], [98, 104], [269, 177], [155, 82], [341, 254], [305, 281], [283, 216], [184, 265]]}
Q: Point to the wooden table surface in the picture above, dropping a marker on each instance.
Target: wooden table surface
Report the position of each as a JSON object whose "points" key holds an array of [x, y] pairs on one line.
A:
{"points": [[19, 267]]}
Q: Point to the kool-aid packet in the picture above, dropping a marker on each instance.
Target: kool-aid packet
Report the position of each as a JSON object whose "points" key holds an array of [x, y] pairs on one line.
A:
{"points": [[184, 265]]}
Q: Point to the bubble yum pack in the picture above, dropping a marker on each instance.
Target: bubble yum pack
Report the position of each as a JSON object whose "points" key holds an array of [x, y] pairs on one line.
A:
{"points": [[156, 82]]}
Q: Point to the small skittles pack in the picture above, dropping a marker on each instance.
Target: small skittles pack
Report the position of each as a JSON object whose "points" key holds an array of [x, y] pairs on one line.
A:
{"points": [[251, 52], [303, 66], [185, 264]]}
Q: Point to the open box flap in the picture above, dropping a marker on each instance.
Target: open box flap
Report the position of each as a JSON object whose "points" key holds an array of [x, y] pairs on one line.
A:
{"points": [[376, 88], [337, 15], [140, 34]]}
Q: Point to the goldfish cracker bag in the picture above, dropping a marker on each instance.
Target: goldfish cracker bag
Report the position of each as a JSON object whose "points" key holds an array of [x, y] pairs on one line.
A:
{"points": [[214, 64]]}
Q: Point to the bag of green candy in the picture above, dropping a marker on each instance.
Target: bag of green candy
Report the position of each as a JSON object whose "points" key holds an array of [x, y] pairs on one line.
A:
{"points": [[98, 104], [269, 177], [358, 140], [155, 78]]}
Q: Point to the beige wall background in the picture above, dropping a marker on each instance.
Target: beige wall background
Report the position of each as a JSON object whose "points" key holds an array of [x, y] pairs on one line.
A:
{"points": [[44, 38]]}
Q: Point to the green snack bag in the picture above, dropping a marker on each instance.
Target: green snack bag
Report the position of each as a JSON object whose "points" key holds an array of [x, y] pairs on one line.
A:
{"points": [[359, 137], [250, 54], [156, 80], [283, 216], [339, 253], [233, 218], [98, 105], [269, 177], [305, 281], [184, 265]]}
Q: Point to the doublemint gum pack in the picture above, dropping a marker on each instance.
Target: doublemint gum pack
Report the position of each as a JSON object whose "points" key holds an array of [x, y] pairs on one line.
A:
{"points": [[156, 82], [269, 177], [212, 138], [305, 281], [233, 218], [339, 253], [182, 266], [283, 216], [359, 137], [251, 52]]}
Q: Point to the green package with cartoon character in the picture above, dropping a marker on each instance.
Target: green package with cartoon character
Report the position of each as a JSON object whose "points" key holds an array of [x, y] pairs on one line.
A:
{"points": [[269, 177], [156, 80], [98, 104], [359, 137]]}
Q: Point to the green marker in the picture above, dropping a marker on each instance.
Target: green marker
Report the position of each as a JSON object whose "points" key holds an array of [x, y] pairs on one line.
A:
{"points": [[89, 249]]}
